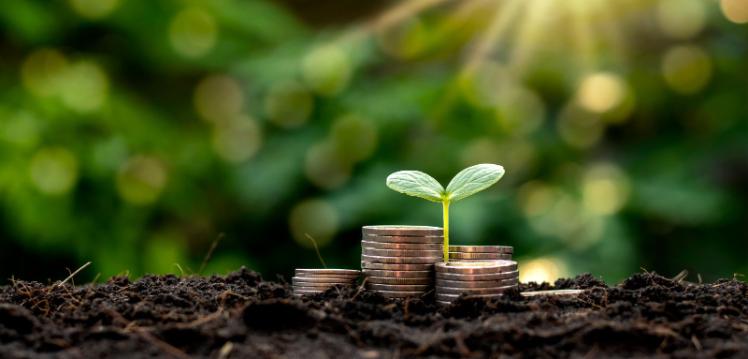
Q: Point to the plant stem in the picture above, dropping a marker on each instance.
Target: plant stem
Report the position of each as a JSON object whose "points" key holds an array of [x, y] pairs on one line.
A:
{"points": [[445, 214]]}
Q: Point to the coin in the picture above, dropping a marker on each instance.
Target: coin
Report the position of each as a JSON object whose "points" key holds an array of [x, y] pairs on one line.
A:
{"points": [[479, 256], [397, 267], [477, 267], [399, 294], [494, 290], [477, 277], [557, 292], [303, 281], [328, 272], [308, 290], [482, 249], [400, 230], [443, 302], [397, 273], [399, 287], [394, 280], [317, 285], [477, 284], [404, 239], [408, 246], [403, 253], [325, 279], [398, 260], [452, 297]]}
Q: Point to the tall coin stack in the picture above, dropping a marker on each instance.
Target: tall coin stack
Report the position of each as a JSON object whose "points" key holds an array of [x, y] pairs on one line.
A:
{"points": [[480, 253], [398, 261], [313, 281], [475, 278]]}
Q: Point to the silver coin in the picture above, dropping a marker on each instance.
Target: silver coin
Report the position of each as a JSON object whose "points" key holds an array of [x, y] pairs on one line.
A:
{"points": [[482, 249], [328, 272], [399, 287], [400, 294], [451, 297], [399, 260], [401, 230], [391, 280], [477, 284], [322, 286], [479, 256], [406, 246], [557, 292], [307, 291], [476, 267], [404, 239], [398, 273], [443, 302], [494, 290], [477, 277], [325, 279], [318, 284], [397, 267], [403, 253]]}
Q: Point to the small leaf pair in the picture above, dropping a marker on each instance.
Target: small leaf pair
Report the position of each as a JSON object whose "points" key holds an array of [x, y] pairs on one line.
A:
{"points": [[466, 183]]}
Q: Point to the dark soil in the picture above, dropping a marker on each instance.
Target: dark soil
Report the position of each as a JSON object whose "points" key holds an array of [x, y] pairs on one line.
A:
{"points": [[242, 316]]}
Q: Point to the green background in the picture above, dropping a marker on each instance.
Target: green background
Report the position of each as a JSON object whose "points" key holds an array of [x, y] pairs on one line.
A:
{"points": [[134, 134]]}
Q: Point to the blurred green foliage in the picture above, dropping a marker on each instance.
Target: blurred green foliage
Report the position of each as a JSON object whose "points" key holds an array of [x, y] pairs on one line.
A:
{"points": [[133, 133]]}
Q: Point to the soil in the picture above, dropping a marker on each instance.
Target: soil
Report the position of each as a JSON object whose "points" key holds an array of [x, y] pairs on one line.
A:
{"points": [[240, 315]]}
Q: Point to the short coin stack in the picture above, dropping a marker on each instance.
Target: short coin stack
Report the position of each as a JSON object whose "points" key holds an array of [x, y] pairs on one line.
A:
{"points": [[480, 253], [398, 261], [313, 281], [477, 279]]}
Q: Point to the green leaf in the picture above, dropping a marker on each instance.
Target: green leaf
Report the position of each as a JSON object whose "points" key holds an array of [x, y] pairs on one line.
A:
{"points": [[473, 179], [417, 184]]}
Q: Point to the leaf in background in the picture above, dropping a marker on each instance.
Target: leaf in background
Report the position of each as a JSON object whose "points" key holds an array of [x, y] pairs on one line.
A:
{"points": [[473, 179], [417, 184]]}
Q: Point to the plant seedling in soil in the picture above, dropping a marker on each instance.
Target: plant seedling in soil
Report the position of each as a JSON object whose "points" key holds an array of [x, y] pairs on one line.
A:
{"points": [[466, 183]]}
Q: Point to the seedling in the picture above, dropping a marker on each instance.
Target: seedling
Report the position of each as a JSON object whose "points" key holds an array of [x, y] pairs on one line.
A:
{"points": [[466, 183]]}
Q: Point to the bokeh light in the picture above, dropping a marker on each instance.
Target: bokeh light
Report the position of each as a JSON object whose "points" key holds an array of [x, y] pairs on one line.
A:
{"points": [[288, 104], [93, 9], [579, 128], [354, 137], [681, 19], [193, 32], [53, 170], [326, 167], [141, 179], [43, 71], [237, 140], [85, 87], [601, 92], [519, 110], [536, 198], [315, 217], [686, 68], [605, 189], [218, 98], [545, 269], [327, 69], [735, 10]]}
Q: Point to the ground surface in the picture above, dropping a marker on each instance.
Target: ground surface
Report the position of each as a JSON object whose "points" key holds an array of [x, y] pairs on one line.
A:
{"points": [[240, 315]]}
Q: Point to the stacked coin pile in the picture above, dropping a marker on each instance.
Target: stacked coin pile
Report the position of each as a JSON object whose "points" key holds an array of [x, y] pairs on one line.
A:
{"points": [[313, 281], [475, 278], [398, 261], [480, 253]]}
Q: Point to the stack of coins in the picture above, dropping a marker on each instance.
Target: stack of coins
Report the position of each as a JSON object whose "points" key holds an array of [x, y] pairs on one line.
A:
{"points": [[480, 253], [398, 261], [313, 281], [477, 279]]}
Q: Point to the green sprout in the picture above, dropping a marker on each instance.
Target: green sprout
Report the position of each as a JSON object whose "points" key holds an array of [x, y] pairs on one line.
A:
{"points": [[466, 183]]}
